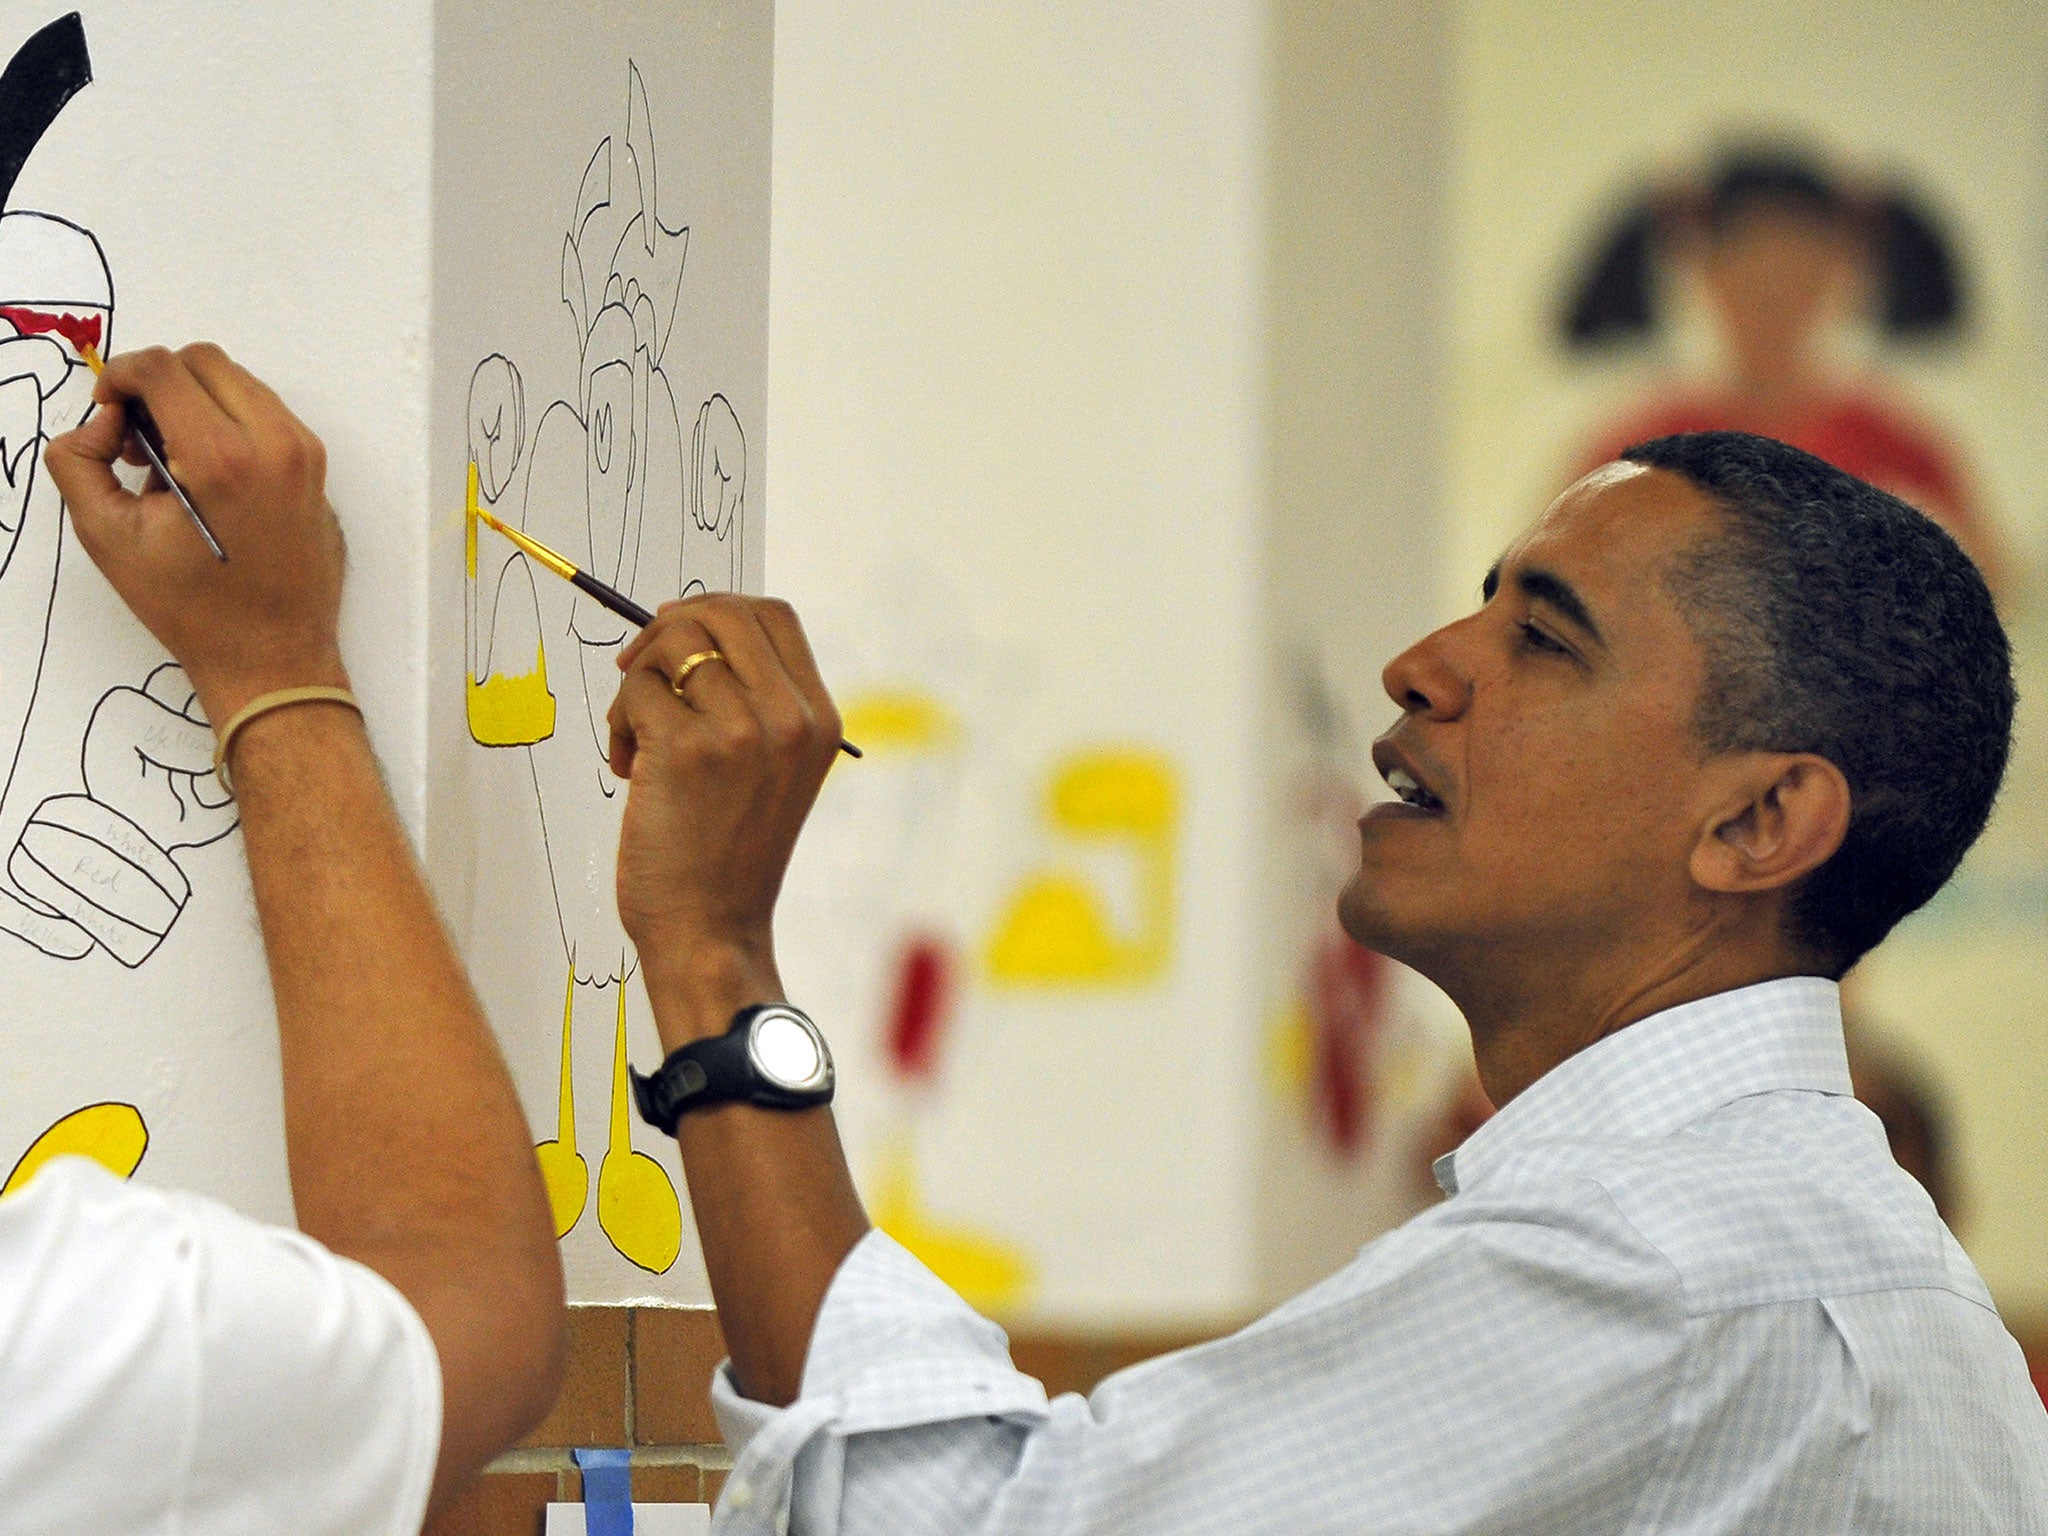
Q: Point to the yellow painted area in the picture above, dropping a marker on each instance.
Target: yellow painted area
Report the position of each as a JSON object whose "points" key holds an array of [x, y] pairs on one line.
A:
{"points": [[1290, 1051], [900, 720], [988, 1273], [112, 1135], [512, 711], [469, 523], [1117, 794], [1056, 931], [562, 1168], [636, 1203], [505, 710]]}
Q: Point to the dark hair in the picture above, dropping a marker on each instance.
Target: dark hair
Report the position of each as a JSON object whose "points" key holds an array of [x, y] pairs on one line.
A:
{"points": [[1839, 621], [1612, 299]]}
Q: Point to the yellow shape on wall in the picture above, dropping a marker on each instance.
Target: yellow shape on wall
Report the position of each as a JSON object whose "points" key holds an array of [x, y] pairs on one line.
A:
{"points": [[899, 720], [1290, 1050], [562, 1168], [636, 1203], [1056, 930], [513, 710], [505, 710], [112, 1135], [987, 1273]]}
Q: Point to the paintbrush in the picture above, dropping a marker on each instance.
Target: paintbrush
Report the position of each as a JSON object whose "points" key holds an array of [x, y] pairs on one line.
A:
{"points": [[144, 426], [611, 597]]}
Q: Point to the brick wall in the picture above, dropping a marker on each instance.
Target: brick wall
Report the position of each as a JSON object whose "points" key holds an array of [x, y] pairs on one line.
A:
{"points": [[638, 1377]]}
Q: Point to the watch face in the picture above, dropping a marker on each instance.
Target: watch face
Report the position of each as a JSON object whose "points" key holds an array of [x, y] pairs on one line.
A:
{"points": [[786, 1051]]}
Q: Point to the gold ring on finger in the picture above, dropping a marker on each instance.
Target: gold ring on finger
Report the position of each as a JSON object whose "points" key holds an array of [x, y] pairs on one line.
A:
{"points": [[690, 664]]}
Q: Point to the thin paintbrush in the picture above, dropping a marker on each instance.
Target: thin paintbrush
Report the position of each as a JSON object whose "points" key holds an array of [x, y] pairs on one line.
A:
{"points": [[583, 581], [144, 426]]}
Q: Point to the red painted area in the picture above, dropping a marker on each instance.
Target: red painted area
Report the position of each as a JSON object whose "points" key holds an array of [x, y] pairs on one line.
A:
{"points": [[81, 331], [1349, 988], [917, 1012]]}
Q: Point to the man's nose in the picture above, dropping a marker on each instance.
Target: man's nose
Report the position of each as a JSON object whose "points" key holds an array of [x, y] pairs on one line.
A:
{"points": [[1426, 679]]}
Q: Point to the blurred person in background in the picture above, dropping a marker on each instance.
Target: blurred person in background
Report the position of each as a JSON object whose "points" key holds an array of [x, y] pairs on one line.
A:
{"points": [[1785, 252]]}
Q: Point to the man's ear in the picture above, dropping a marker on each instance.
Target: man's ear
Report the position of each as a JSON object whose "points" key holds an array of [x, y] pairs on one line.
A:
{"points": [[1782, 816]]}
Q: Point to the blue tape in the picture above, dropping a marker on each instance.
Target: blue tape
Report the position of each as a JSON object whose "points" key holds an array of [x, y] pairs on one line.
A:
{"points": [[607, 1492]]}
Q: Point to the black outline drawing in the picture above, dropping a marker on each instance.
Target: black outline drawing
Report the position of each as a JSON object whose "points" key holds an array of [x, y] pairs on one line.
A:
{"points": [[604, 480], [91, 870]]}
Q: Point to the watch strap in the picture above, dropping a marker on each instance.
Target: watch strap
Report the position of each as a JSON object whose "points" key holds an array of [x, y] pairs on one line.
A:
{"points": [[714, 1070]]}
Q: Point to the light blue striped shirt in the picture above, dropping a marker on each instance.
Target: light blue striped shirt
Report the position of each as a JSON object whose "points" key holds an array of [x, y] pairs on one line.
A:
{"points": [[1679, 1286]]}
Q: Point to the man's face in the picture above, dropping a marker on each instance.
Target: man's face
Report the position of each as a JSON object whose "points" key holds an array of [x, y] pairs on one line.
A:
{"points": [[1550, 734], [1773, 275]]}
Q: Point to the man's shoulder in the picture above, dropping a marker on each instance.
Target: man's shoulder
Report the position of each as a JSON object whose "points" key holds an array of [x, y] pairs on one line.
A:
{"points": [[74, 1213], [1776, 1197], [163, 1356]]}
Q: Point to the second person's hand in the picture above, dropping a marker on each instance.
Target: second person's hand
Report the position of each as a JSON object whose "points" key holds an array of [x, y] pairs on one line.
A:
{"points": [[722, 773]]}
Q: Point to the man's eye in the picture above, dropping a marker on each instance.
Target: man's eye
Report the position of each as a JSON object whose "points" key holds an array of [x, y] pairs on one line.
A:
{"points": [[1536, 640]]}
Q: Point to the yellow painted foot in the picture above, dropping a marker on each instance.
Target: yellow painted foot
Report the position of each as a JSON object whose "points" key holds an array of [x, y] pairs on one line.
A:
{"points": [[638, 1209], [562, 1168], [112, 1135], [636, 1204], [567, 1177]]}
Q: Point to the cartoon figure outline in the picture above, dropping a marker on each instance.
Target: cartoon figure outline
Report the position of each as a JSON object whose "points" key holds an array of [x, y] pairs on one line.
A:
{"points": [[604, 480], [91, 870]]}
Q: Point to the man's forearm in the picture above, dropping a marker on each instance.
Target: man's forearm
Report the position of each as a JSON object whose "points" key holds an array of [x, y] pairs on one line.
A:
{"points": [[775, 1205], [407, 1145], [408, 1151]]}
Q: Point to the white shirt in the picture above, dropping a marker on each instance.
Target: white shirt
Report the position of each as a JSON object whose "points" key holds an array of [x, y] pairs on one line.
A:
{"points": [[170, 1366], [1679, 1286]]}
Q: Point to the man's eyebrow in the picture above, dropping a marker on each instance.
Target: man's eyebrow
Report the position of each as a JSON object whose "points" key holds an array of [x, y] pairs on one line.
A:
{"points": [[1539, 585]]}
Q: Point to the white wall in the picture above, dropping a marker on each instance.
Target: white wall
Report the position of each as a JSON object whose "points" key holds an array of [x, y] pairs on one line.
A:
{"points": [[1359, 136], [1016, 399], [258, 175]]}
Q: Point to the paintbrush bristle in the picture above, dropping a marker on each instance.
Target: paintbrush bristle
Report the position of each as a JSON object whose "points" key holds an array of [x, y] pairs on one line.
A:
{"points": [[547, 557]]}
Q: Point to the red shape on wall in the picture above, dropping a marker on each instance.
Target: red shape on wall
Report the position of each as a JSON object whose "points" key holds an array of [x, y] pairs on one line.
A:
{"points": [[917, 1011], [81, 331], [1350, 984]]}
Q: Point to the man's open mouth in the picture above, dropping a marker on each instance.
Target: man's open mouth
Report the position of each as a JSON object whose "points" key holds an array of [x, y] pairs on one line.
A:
{"points": [[1403, 784]]}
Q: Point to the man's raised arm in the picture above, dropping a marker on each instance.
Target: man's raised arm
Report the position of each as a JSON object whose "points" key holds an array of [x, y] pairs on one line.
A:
{"points": [[408, 1149], [723, 773]]}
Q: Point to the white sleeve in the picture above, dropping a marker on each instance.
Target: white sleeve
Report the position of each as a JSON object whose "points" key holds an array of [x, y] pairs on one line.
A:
{"points": [[167, 1364], [1497, 1364]]}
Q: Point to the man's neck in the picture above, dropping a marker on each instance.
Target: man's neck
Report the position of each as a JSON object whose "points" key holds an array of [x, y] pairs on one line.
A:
{"points": [[1526, 1019]]}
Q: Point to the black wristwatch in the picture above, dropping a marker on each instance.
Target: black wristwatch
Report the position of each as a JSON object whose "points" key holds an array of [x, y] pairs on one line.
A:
{"points": [[773, 1055]]}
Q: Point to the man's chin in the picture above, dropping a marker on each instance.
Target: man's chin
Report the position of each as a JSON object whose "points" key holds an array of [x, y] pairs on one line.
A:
{"points": [[1366, 918]]}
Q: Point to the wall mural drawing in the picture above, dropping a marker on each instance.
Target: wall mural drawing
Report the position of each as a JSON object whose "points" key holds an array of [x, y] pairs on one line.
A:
{"points": [[90, 870], [605, 479], [1057, 931], [111, 1134], [897, 830]]}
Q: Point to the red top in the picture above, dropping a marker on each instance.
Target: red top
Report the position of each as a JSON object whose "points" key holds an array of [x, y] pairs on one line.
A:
{"points": [[1854, 429]]}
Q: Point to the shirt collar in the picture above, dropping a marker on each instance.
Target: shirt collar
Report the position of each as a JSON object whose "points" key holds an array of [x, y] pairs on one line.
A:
{"points": [[1666, 1071]]}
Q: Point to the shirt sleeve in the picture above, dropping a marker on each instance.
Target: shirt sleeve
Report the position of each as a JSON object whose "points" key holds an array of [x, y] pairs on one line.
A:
{"points": [[169, 1364], [1485, 1363]]}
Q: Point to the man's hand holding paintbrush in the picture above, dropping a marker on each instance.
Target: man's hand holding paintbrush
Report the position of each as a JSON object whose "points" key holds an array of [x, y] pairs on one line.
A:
{"points": [[258, 475]]}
